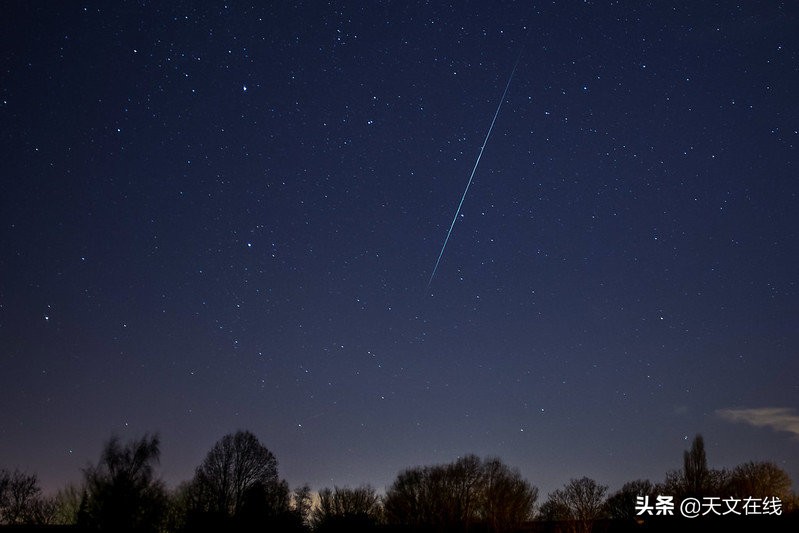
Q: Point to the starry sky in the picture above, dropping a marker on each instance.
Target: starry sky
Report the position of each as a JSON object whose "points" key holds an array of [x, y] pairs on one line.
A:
{"points": [[219, 216]]}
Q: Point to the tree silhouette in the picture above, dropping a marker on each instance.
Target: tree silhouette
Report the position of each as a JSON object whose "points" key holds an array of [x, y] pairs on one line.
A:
{"points": [[696, 474], [178, 507], [237, 485], [263, 505], [760, 480], [347, 509], [302, 504], [554, 510], [235, 464], [122, 493], [621, 504], [581, 502], [408, 500], [506, 499], [695, 480], [20, 499], [66, 505], [461, 495]]}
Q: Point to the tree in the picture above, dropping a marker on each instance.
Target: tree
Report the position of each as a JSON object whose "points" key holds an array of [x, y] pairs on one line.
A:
{"points": [[460, 495], [66, 505], [695, 480], [506, 500], [696, 476], [301, 504], [554, 510], [122, 493], [347, 509], [263, 505], [177, 509], [407, 500], [20, 499], [581, 501], [238, 469], [621, 505], [760, 480]]}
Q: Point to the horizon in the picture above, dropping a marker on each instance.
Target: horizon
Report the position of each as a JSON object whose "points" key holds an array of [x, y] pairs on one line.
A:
{"points": [[174, 483]]}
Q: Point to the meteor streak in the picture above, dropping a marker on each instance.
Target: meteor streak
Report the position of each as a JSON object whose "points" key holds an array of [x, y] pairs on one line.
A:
{"points": [[474, 169]]}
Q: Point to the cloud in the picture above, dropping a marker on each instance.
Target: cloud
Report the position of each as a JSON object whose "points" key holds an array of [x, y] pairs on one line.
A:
{"points": [[778, 418]]}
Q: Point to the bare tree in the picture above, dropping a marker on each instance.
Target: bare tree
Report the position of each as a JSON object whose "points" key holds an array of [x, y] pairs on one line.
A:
{"points": [[66, 504], [264, 505], [348, 509], [302, 503], [20, 498], [554, 510], [238, 463], [621, 504], [581, 502], [178, 507], [460, 495], [506, 499], [464, 478], [407, 500], [122, 493], [760, 480]]}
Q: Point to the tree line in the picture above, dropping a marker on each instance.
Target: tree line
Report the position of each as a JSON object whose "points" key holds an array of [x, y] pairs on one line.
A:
{"points": [[237, 488]]}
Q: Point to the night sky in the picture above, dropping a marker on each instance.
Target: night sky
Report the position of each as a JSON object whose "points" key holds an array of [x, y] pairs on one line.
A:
{"points": [[224, 216]]}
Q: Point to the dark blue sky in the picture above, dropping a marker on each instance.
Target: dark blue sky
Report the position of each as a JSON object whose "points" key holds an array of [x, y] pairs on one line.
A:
{"points": [[221, 216]]}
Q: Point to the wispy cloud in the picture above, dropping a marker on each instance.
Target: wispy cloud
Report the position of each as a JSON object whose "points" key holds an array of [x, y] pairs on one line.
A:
{"points": [[778, 418]]}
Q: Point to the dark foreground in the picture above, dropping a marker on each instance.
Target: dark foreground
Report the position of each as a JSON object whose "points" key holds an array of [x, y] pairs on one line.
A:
{"points": [[776, 524]]}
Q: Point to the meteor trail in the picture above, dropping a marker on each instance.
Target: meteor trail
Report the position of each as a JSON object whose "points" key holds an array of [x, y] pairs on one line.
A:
{"points": [[474, 169]]}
